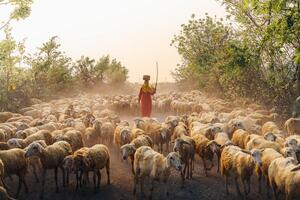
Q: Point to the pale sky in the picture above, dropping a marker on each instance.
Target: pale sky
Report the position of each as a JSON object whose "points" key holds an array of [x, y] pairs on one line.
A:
{"points": [[136, 32]]}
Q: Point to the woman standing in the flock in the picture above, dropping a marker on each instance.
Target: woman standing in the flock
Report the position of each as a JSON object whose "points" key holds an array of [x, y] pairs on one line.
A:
{"points": [[145, 100]]}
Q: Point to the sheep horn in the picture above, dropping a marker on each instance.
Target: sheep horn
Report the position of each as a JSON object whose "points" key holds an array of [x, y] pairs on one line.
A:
{"points": [[295, 168], [245, 151]]}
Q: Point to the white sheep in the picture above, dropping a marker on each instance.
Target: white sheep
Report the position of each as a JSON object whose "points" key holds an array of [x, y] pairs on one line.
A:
{"points": [[149, 163]]}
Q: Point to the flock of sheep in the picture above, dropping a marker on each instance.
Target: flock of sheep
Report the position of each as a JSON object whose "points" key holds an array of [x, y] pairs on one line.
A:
{"points": [[73, 135]]}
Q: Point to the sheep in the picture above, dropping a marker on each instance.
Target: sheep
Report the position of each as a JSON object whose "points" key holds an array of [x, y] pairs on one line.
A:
{"points": [[4, 195], [270, 127], [4, 116], [186, 150], [268, 155], [73, 137], [292, 141], [292, 126], [239, 164], [107, 132], [93, 159], [135, 132], [239, 138], [51, 158], [92, 135], [261, 143], [128, 150], [22, 134], [15, 163], [122, 135], [149, 163], [282, 178], [51, 126], [22, 143]]}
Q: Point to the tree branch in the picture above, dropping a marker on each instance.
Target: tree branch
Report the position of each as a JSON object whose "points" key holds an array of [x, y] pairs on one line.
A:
{"points": [[5, 24]]}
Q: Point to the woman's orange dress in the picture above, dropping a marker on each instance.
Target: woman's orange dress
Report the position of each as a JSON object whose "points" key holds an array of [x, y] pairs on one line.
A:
{"points": [[145, 100]]}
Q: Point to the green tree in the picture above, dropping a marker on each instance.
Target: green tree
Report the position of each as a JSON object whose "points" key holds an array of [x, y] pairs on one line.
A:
{"points": [[101, 67], [116, 73], [21, 9], [272, 29], [84, 69], [51, 68]]}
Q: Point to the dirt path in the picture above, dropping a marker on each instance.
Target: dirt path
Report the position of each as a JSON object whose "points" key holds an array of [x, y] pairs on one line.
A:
{"points": [[200, 187]]}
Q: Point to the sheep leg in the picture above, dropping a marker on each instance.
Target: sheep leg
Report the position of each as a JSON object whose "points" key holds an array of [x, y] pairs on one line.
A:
{"points": [[151, 189], [43, 183], [35, 173], [134, 184], [182, 179], [204, 165], [108, 171], [226, 184], [94, 180], [24, 182], [248, 183], [259, 182], [245, 188], [237, 186], [55, 177], [19, 186], [77, 180], [99, 178], [142, 187], [166, 189], [63, 176], [219, 158]]}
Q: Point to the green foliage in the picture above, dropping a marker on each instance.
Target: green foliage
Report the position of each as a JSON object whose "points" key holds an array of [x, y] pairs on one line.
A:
{"points": [[258, 58], [21, 10], [50, 69], [104, 71], [12, 78]]}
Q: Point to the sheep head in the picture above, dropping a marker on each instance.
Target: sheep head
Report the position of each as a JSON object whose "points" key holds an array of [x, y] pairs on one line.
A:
{"points": [[34, 149], [289, 152], [127, 150], [68, 163], [80, 161], [256, 155], [14, 143], [174, 160], [139, 123], [213, 146], [291, 143], [270, 136], [125, 135], [179, 144], [97, 125]]}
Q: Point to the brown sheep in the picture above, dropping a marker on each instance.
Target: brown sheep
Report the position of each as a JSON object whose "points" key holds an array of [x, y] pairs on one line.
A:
{"points": [[92, 135], [239, 164], [292, 126], [51, 158], [15, 163], [94, 159], [40, 135], [239, 138]]}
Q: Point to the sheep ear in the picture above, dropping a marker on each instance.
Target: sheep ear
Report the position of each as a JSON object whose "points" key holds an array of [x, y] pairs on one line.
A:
{"points": [[245, 151]]}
